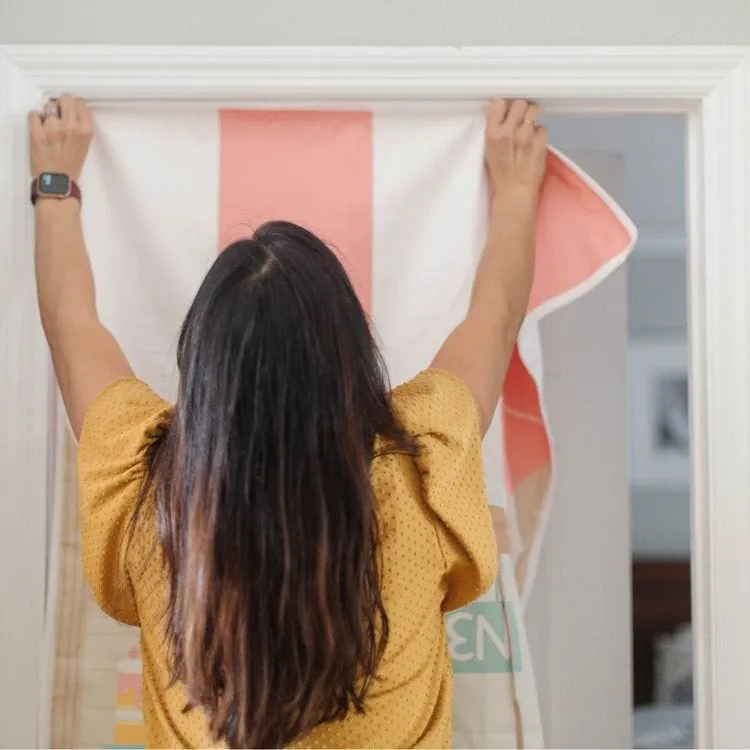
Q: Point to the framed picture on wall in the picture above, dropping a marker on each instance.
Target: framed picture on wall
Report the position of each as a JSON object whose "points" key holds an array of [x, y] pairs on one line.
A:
{"points": [[659, 414]]}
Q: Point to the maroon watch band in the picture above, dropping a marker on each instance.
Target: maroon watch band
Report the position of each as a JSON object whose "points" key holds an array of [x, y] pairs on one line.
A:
{"points": [[73, 192]]}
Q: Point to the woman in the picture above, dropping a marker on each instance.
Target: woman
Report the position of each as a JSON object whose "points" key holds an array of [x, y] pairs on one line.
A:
{"points": [[289, 535]]}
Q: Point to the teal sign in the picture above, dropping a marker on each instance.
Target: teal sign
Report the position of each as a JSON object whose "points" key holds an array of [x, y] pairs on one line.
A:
{"points": [[479, 641]]}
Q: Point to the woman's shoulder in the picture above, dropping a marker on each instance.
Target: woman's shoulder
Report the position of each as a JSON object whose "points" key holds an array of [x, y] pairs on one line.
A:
{"points": [[438, 410], [124, 418], [435, 402], [119, 426]]}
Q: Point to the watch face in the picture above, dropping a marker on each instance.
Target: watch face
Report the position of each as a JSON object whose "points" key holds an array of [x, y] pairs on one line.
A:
{"points": [[52, 183]]}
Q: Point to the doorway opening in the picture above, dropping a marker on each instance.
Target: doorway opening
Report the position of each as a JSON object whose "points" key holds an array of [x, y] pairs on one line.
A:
{"points": [[619, 540]]}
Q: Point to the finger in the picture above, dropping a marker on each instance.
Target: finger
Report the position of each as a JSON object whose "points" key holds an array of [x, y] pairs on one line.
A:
{"points": [[36, 131], [50, 109], [516, 114], [527, 130], [68, 110], [539, 142], [51, 122], [496, 110], [525, 134], [51, 115], [85, 122], [532, 113]]}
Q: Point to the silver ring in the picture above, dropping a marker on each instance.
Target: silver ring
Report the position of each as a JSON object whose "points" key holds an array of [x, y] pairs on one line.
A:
{"points": [[51, 109]]}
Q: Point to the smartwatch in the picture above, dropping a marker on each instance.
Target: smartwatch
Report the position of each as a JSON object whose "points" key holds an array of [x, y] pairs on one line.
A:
{"points": [[54, 185]]}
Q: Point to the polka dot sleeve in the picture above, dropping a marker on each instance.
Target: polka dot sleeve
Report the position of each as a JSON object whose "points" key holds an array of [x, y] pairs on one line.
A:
{"points": [[120, 424], [438, 409]]}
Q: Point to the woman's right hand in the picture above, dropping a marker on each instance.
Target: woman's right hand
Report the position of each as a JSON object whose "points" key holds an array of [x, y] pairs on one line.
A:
{"points": [[515, 148]]}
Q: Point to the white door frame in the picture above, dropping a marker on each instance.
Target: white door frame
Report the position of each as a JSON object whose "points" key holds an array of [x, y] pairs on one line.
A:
{"points": [[710, 85]]}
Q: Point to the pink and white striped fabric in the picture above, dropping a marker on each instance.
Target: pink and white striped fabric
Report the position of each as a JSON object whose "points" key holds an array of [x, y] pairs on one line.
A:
{"points": [[400, 192]]}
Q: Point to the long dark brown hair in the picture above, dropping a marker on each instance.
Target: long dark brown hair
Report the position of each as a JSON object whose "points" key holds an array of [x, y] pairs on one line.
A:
{"points": [[266, 519]]}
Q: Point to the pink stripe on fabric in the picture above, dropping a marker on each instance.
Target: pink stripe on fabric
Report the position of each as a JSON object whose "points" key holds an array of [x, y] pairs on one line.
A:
{"points": [[527, 446], [576, 234], [312, 168]]}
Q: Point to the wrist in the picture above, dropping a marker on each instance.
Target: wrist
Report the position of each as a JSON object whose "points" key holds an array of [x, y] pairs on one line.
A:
{"points": [[517, 197], [51, 207], [54, 185], [513, 206]]}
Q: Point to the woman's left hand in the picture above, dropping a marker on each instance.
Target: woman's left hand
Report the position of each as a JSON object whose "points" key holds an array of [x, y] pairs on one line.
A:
{"points": [[59, 137]]}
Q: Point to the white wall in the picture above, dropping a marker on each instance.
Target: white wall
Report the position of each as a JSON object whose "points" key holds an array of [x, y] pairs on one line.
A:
{"points": [[416, 22]]}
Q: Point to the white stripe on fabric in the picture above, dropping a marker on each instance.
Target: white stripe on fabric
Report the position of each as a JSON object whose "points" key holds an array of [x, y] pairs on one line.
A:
{"points": [[430, 214], [150, 196], [430, 223]]}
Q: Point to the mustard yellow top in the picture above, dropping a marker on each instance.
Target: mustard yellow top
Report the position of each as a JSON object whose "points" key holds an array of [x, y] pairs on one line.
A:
{"points": [[438, 554]]}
